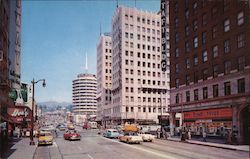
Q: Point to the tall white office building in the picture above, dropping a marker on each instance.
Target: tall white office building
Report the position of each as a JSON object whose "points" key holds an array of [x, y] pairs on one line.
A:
{"points": [[104, 77], [84, 94], [139, 87]]}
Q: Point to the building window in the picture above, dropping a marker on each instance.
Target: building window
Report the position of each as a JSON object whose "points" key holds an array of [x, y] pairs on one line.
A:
{"points": [[214, 11], [1, 55], [177, 98], [215, 51], [187, 14], [196, 94], [195, 40], [240, 18], [195, 7], [227, 88], [176, 20], [241, 40], [241, 85], [226, 46], [187, 96], [196, 77], [127, 109], [214, 32], [195, 59], [204, 19], [177, 83], [226, 25], [205, 74], [187, 79], [204, 37], [187, 63], [187, 30], [227, 67], [241, 63], [215, 70], [225, 5], [177, 52], [175, 7], [205, 93], [177, 68], [176, 37], [204, 56], [187, 48], [215, 90], [195, 25]]}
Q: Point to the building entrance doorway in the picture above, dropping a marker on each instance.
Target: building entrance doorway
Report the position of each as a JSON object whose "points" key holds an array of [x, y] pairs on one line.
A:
{"points": [[245, 118]]}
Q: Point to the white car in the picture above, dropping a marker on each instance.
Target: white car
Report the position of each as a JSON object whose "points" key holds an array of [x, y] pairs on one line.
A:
{"points": [[147, 136], [131, 137]]}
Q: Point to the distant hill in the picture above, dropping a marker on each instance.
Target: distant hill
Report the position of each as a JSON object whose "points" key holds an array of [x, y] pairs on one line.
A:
{"points": [[54, 104]]}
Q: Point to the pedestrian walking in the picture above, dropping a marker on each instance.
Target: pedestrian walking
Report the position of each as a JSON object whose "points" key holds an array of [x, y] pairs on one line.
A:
{"points": [[158, 133], [204, 135], [189, 134]]}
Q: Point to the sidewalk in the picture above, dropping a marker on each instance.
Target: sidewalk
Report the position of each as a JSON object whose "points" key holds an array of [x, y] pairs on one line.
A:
{"points": [[19, 148], [212, 144]]}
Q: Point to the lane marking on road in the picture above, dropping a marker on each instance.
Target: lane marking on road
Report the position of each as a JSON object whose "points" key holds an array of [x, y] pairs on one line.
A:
{"points": [[90, 156], [54, 144], [79, 148], [141, 149]]}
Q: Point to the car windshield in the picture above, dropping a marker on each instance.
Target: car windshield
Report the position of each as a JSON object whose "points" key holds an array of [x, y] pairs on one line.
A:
{"points": [[133, 134], [45, 134]]}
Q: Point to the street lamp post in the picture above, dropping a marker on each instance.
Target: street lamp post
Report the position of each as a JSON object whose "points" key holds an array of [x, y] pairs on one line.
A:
{"points": [[33, 105]]}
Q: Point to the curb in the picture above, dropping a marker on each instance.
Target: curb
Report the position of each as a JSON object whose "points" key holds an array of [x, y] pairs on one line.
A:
{"points": [[228, 148]]}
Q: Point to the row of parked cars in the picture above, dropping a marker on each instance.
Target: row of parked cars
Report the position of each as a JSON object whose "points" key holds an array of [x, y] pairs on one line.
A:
{"points": [[129, 136]]}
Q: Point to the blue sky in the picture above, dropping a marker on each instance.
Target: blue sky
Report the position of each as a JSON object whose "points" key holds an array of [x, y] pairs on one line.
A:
{"points": [[57, 34]]}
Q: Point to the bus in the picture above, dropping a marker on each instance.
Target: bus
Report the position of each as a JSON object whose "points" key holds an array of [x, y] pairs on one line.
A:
{"points": [[90, 125]]}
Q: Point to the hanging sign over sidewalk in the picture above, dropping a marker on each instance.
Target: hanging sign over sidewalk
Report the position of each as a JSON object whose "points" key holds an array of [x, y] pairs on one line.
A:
{"points": [[19, 114], [163, 36]]}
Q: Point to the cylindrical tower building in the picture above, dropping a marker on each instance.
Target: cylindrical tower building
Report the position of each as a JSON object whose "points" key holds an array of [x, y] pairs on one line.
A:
{"points": [[84, 94]]}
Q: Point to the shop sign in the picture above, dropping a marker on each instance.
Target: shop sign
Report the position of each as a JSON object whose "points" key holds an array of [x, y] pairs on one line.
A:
{"points": [[163, 36], [19, 114], [203, 121], [209, 114], [163, 117]]}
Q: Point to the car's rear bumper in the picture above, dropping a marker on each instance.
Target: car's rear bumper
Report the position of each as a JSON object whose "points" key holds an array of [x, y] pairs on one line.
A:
{"points": [[45, 142]]}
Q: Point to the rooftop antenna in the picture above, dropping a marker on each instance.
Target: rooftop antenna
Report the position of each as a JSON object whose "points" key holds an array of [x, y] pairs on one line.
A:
{"points": [[86, 63], [116, 3], [100, 29], [135, 3]]}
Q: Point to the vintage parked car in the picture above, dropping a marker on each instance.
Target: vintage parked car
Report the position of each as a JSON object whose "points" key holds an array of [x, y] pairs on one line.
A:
{"points": [[71, 127], [131, 137], [45, 138], [72, 135], [111, 133], [61, 127], [146, 136]]}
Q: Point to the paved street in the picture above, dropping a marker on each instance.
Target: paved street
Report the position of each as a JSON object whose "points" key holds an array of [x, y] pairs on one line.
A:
{"points": [[93, 146]]}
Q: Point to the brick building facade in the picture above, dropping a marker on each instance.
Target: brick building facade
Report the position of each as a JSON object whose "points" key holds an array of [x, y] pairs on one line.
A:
{"points": [[210, 66]]}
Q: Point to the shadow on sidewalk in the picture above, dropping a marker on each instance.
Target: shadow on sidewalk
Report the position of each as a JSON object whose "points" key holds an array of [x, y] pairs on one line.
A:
{"points": [[6, 148]]}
